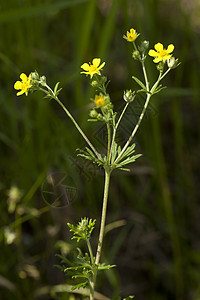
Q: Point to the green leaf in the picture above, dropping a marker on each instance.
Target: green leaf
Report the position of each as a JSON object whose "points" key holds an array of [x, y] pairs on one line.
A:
{"points": [[56, 87], [103, 266], [79, 285], [114, 153], [140, 83]]}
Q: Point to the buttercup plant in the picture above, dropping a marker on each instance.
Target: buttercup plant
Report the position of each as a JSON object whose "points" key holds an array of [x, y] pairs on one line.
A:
{"points": [[85, 267]]}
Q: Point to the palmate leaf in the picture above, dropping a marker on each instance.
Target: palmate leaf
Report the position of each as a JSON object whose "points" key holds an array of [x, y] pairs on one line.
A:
{"points": [[126, 158]]}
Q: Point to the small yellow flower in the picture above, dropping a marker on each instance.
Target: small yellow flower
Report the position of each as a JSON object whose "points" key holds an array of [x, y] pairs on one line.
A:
{"points": [[23, 85], [161, 54], [92, 68], [99, 101], [131, 36]]}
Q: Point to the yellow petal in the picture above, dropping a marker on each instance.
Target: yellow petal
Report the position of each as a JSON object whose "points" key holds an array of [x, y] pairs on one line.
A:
{"points": [[23, 77], [101, 66], [158, 47], [20, 93], [96, 62], [153, 53], [85, 67], [167, 56], [29, 79], [84, 72], [170, 48], [18, 85], [157, 59]]}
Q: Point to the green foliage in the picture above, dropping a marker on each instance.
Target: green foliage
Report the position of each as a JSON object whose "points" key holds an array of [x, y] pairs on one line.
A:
{"points": [[83, 230]]}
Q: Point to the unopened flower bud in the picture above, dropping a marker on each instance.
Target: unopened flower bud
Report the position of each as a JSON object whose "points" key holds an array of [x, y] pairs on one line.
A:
{"points": [[144, 46], [136, 55], [35, 76], [129, 96], [99, 117], [93, 113], [160, 66], [43, 80], [172, 63], [94, 83]]}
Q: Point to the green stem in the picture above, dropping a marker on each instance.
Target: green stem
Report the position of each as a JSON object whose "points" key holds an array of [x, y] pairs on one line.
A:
{"points": [[109, 139], [135, 129], [90, 251], [102, 228], [145, 75], [160, 77], [115, 131]]}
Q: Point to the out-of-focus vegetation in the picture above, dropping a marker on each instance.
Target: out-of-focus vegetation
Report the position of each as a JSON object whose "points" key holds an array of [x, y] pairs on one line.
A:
{"points": [[157, 250]]}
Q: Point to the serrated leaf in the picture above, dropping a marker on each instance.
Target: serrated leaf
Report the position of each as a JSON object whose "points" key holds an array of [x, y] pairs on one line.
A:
{"points": [[140, 83]]}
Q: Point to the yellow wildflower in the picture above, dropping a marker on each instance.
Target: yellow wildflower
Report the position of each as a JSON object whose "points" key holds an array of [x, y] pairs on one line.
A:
{"points": [[161, 54], [99, 101], [131, 36], [92, 68], [23, 85]]}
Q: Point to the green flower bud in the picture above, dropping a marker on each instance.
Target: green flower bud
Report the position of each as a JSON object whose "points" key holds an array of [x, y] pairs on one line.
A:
{"points": [[43, 80], [172, 63], [144, 46], [136, 55], [94, 83], [93, 113], [160, 66], [129, 96], [99, 117], [35, 76]]}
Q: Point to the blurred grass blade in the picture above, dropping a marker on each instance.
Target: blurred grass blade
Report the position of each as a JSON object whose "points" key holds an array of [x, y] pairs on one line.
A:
{"points": [[36, 10], [108, 29]]}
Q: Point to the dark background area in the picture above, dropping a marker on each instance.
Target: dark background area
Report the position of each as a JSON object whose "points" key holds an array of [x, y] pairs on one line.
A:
{"points": [[157, 250]]}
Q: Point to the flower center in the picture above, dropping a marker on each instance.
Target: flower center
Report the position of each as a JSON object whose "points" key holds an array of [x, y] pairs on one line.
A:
{"points": [[163, 53], [93, 68]]}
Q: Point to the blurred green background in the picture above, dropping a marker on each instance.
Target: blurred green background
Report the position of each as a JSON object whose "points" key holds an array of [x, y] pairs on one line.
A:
{"points": [[157, 250]]}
